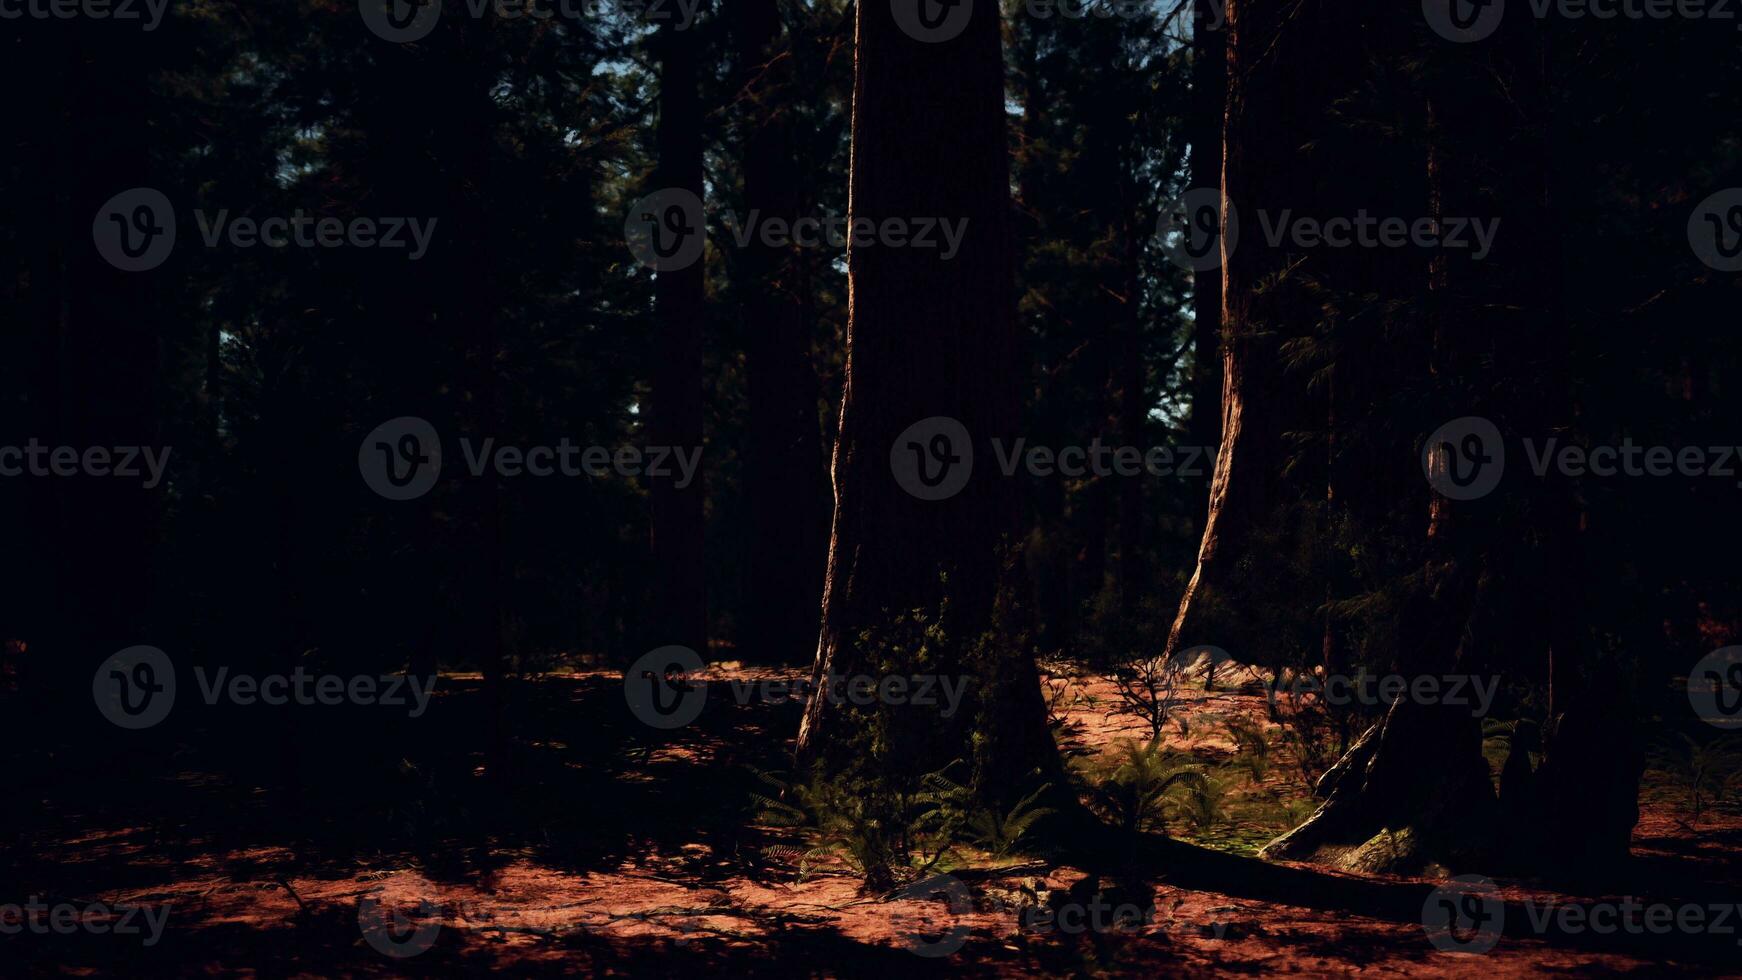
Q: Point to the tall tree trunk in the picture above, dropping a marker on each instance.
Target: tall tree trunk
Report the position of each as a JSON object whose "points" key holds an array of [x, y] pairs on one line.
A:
{"points": [[1269, 116], [676, 399], [1209, 102], [784, 477], [1132, 376], [928, 337]]}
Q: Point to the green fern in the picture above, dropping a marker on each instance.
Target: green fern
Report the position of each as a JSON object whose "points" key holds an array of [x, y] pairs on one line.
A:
{"points": [[983, 826], [1134, 792], [1253, 748]]}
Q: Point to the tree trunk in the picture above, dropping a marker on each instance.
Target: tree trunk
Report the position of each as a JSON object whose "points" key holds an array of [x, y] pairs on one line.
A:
{"points": [[928, 337], [1209, 102], [676, 398], [784, 474], [1269, 115]]}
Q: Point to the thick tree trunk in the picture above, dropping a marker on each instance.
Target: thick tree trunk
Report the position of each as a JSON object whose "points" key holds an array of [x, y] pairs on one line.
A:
{"points": [[1131, 382], [785, 478], [1265, 123], [1209, 103], [928, 337], [676, 401]]}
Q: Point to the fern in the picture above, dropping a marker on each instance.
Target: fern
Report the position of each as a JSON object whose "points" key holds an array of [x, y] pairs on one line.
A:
{"points": [[1253, 748], [1135, 791]]}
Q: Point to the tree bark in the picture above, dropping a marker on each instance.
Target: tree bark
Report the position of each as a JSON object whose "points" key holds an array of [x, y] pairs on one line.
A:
{"points": [[928, 337], [1209, 104], [676, 397], [1265, 123], [785, 477]]}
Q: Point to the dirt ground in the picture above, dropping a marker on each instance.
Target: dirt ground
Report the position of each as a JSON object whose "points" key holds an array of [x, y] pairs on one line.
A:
{"points": [[633, 859]]}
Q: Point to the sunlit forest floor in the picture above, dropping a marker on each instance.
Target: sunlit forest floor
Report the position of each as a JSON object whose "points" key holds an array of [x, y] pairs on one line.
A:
{"points": [[616, 849]]}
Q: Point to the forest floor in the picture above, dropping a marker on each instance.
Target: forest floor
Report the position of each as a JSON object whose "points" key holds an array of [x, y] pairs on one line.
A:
{"points": [[618, 850]]}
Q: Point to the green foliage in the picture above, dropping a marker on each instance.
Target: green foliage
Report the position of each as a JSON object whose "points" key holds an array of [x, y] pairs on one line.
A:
{"points": [[890, 830], [1133, 788], [987, 827], [884, 834], [1253, 747], [1709, 772]]}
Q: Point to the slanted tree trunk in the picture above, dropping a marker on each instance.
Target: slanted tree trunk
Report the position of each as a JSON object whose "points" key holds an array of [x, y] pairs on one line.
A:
{"points": [[927, 337], [1270, 114], [1209, 101], [676, 398], [784, 473]]}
